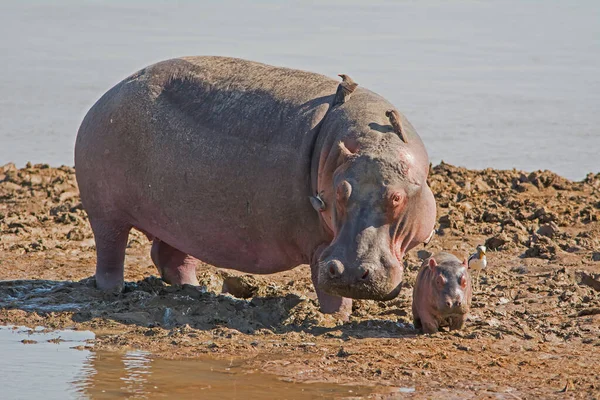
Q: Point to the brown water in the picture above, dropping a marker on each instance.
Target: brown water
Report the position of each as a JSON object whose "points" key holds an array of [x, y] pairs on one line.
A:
{"points": [[497, 84], [63, 365]]}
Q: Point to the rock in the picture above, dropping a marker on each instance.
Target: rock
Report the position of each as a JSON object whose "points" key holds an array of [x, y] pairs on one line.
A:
{"points": [[595, 256], [444, 221], [9, 186], [35, 180], [525, 187], [75, 234], [521, 269], [490, 216], [424, 254], [541, 250], [68, 195], [591, 281], [243, 287], [549, 230], [480, 185], [8, 167], [496, 242]]}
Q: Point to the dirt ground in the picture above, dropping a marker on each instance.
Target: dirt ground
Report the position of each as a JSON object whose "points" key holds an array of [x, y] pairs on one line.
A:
{"points": [[533, 331]]}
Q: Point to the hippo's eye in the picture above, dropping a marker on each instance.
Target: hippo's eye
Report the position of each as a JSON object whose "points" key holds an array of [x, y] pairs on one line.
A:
{"points": [[441, 281], [397, 199], [463, 281]]}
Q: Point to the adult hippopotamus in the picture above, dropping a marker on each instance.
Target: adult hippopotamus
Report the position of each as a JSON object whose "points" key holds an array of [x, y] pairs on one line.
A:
{"points": [[254, 168]]}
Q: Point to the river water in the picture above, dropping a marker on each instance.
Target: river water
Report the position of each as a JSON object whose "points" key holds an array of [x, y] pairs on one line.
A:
{"points": [[503, 84], [40, 364]]}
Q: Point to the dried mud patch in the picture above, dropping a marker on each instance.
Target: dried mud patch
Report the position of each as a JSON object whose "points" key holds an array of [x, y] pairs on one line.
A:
{"points": [[534, 329]]}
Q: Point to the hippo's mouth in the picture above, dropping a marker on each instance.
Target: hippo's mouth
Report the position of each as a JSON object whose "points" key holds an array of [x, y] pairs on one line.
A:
{"points": [[397, 250], [363, 292]]}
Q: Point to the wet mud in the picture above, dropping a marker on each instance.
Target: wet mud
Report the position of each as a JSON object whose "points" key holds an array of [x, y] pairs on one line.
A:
{"points": [[533, 330]]}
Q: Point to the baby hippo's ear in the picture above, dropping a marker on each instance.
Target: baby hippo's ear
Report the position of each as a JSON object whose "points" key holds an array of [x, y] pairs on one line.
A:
{"points": [[465, 262], [432, 262]]}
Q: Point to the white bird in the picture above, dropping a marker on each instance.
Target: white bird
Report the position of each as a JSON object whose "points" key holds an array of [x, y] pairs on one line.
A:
{"points": [[478, 262]]}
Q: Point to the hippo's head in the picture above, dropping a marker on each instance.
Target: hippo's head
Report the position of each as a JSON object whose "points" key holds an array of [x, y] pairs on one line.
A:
{"points": [[451, 286], [378, 206]]}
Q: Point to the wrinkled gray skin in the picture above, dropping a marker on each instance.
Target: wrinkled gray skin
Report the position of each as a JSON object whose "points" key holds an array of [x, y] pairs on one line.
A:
{"points": [[215, 159], [442, 293]]}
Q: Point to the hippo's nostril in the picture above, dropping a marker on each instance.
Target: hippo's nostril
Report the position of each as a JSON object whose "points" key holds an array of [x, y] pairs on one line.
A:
{"points": [[365, 275], [449, 303], [458, 303], [335, 268]]}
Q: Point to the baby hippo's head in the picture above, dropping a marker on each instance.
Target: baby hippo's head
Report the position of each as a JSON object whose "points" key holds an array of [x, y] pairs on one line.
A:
{"points": [[451, 284]]}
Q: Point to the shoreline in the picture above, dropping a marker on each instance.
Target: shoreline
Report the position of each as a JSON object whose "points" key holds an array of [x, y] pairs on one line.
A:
{"points": [[535, 316]]}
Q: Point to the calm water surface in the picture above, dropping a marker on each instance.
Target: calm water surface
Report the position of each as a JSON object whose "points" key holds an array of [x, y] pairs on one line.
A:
{"points": [[55, 370], [486, 83]]}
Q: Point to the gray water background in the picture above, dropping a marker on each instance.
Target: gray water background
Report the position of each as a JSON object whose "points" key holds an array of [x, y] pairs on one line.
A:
{"points": [[503, 84]]}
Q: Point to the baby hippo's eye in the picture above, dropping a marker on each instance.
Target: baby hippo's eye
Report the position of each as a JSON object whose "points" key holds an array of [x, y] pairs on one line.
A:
{"points": [[462, 281]]}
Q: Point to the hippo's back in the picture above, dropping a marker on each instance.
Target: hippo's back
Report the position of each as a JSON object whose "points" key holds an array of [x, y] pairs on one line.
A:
{"points": [[208, 153]]}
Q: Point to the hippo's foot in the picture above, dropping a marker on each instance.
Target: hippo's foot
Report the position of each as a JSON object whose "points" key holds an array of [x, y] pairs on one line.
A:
{"points": [[429, 326], [457, 322], [111, 240], [417, 323], [174, 266]]}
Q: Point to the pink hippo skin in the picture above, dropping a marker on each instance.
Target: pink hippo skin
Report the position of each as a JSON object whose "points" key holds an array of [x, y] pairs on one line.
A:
{"points": [[254, 168], [442, 293]]}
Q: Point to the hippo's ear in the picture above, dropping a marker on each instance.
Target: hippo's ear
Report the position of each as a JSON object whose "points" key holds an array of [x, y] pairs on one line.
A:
{"points": [[432, 263], [396, 122], [347, 150], [344, 90], [317, 203]]}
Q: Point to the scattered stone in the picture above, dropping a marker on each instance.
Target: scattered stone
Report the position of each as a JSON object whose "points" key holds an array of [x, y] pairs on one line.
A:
{"points": [[549, 230], [591, 281], [496, 242], [521, 269], [76, 234], [424, 254], [243, 287]]}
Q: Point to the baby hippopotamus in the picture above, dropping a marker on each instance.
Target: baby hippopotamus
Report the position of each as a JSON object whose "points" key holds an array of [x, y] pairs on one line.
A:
{"points": [[442, 293]]}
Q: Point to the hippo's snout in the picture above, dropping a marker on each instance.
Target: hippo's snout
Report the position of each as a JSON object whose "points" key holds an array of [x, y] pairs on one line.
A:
{"points": [[335, 269], [454, 305], [363, 281]]}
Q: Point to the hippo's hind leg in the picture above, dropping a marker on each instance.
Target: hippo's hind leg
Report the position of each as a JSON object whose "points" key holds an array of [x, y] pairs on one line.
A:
{"points": [[174, 266], [111, 241]]}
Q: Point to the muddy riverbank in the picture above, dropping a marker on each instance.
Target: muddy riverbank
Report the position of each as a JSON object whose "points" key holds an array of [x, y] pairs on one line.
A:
{"points": [[534, 329]]}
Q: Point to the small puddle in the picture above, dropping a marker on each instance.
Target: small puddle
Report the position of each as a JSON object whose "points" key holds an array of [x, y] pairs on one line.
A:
{"points": [[35, 363]]}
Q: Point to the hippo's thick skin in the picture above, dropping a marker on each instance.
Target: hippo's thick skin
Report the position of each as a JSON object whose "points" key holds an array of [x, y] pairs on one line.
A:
{"points": [[216, 158]]}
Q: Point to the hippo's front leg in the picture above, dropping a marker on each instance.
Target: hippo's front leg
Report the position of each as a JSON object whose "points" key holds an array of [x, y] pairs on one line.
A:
{"points": [[429, 324], [458, 322], [329, 304]]}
